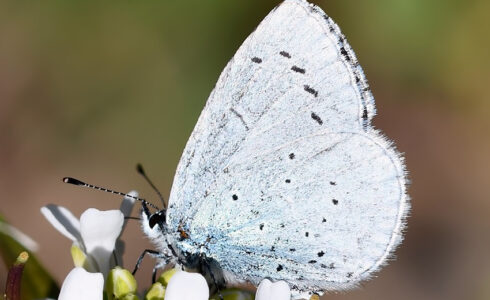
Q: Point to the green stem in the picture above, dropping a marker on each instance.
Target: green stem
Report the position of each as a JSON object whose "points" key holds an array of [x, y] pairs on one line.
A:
{"points": [[12, 290]]}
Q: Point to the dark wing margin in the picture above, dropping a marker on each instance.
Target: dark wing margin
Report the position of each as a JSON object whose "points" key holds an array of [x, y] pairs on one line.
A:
{"points": [[367, 111]]}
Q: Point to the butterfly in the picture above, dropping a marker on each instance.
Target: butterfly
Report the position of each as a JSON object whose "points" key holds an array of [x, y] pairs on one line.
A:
{"points": [[284, 177]]}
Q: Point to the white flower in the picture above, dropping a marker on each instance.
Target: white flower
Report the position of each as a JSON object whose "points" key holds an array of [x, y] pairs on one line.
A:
{"points": [[94, 236], [273, 291], [82, 285], [187, 286], [193, 286]]}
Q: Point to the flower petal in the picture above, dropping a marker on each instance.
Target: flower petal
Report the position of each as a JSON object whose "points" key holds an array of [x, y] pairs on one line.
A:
{"points": [[63, 220], [273, 291], [187, 286], [82, 285], [18, 236], [99, 230], [127, 205]]}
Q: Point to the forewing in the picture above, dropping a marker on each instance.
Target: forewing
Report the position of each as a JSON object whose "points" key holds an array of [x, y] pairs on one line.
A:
{"points": [[294, 76]]}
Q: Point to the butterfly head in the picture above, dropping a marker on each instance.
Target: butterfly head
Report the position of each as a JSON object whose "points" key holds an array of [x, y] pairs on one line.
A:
{"points": [[153, 224], [158, 218]]}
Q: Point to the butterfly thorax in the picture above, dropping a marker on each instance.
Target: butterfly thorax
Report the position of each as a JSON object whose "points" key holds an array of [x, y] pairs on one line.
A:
{"points": [[176, 245]]}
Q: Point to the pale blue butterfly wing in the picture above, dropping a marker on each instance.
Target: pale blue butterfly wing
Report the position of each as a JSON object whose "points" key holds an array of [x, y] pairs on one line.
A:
{"points": [[283, 176]]}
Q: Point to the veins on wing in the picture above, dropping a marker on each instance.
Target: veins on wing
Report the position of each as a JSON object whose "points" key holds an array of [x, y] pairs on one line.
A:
{"points": [[328, 149], [240, 117]]}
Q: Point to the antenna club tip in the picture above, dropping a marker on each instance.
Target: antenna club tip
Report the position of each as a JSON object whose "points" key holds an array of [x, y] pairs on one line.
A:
{"points": [[139, 168], [74, 181]]}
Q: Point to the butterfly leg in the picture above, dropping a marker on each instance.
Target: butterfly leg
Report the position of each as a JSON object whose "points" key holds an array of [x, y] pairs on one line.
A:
{"points": [[154, 274], [140, 259]]}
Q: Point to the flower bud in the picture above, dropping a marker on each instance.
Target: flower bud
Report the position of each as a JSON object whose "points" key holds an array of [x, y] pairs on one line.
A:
{"points": [[129, 297], [156, 292], [80, 259], [12, 291], [120, 283], [165, 277], [233, 294]]}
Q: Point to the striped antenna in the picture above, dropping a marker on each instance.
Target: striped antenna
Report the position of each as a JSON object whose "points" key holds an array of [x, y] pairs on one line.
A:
{"points": [[142, 172], [74, 181]]}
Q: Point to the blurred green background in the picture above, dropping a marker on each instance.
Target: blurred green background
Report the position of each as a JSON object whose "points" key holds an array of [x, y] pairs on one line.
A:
{"points": [[88, 89]]}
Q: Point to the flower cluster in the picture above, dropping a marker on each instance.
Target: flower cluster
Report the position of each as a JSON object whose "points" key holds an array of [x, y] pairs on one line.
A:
{"points": [[97, 275]]}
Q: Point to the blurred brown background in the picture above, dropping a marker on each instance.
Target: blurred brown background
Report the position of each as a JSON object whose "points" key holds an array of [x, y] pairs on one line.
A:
{"points": [[88, 89]]}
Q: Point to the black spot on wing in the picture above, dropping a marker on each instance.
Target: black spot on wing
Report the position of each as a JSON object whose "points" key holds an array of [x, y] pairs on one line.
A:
{"points": [[257, 60], [316, 118], [285, 54], [279, 268], [234, 197], [298, 69], [291, 155], [311, 90], [288, 180], [335, 201]]}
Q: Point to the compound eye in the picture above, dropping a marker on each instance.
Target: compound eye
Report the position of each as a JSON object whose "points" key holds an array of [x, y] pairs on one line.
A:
{"points": [[156, 218]]}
